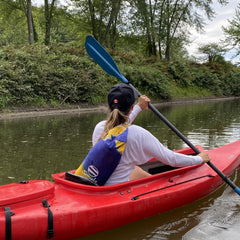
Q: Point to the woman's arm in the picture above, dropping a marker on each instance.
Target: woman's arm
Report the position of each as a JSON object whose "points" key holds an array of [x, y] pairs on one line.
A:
{"points": [[141, 105]]}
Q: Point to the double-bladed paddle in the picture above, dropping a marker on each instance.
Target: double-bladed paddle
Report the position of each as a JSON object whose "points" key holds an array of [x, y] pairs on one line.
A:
{"points": [[106, 62]]}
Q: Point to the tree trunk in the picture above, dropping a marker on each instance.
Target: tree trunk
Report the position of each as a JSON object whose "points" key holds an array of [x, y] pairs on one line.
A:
{"points": [[153, 39], [167, 52], [102, 6], [160, 50], [114, 13], [30, 22], [114, 28], [48, 20], [92, 18]]}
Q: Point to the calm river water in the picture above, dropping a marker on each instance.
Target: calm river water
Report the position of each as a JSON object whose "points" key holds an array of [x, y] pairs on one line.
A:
{"points": [[34, 148]]}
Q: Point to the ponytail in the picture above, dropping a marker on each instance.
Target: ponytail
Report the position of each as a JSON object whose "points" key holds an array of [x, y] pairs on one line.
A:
{"points": [[115, 118]]}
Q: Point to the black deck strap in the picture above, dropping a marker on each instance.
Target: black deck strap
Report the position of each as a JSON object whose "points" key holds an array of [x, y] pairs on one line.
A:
{"points": [[8, 215], [192, 179], [50, 231]]}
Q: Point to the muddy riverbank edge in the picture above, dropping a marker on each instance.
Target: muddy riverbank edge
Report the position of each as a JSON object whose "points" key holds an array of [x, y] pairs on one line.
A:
{"points": [[81, 109]]}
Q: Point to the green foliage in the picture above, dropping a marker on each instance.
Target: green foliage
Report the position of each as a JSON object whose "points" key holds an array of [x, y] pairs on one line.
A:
{"points": [[204, 78], [39, 75], [148, 80], [153, 27], [213, 52], [231, 82], [189, 92], [53, 76], [13, 27], [180, 73], [232, 32]]}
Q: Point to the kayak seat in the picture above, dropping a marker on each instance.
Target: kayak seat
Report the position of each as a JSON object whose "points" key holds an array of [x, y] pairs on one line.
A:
{"points": [[79, 179]]}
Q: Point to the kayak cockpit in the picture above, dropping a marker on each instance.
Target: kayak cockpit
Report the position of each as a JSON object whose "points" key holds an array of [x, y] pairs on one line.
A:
{"points": [[154, 167]]}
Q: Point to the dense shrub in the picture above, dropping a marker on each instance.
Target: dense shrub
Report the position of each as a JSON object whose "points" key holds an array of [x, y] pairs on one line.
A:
{"points": [[202, 77], [148, 81], [231, 83], [181, 73], [39, 76], [47, 76]]}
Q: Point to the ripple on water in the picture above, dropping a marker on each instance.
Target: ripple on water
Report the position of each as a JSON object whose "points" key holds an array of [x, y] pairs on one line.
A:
{"points": [[221, 221], [165, 231]]}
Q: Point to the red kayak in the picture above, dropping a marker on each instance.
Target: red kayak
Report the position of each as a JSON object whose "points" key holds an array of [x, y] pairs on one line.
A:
{"points": [[66, 209]]}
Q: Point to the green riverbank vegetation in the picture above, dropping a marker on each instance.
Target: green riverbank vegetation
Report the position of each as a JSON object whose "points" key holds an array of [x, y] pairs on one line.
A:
{"points": [[43, 62], [44, 76]]}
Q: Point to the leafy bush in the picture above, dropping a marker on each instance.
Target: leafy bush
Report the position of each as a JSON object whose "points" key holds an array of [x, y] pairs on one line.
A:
{"points": [[231, 83], [41, 76], [151, 82], [40, 73], [204, 78], [181, 73]]}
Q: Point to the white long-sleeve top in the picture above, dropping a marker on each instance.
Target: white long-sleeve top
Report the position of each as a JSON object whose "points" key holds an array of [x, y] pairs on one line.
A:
{"points": [[140, 148]]}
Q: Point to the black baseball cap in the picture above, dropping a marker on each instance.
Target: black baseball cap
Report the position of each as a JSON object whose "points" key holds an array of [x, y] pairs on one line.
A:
{"points": [[121, 96]]}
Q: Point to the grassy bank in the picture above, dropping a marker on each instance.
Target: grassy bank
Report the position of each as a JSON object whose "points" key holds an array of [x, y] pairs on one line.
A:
{"points": [[40, 76]]}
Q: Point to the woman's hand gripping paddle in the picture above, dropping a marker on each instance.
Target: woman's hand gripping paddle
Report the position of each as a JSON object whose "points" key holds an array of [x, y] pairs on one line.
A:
{"points": [[106, 62]]}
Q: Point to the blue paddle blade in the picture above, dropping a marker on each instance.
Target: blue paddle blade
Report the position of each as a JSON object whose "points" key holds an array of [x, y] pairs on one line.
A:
{"points": [[102, 58], [237, 190]]}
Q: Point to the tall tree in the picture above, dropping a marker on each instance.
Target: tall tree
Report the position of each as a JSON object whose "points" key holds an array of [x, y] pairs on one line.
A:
{"points": [[29, 20], [213, 51], [103, 17], [49, 9], [165, 20], [144, 12], [232, 32], [26, 7], [112, 21], [93, 18]]}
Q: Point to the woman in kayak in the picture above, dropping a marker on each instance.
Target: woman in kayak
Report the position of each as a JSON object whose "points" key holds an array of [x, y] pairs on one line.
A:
{"points": [[119, 147]]}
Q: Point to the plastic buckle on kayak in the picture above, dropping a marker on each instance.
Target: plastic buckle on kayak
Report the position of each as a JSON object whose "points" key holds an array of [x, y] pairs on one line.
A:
{"points": [[24, 182], [50, 233], [45, 203]]}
